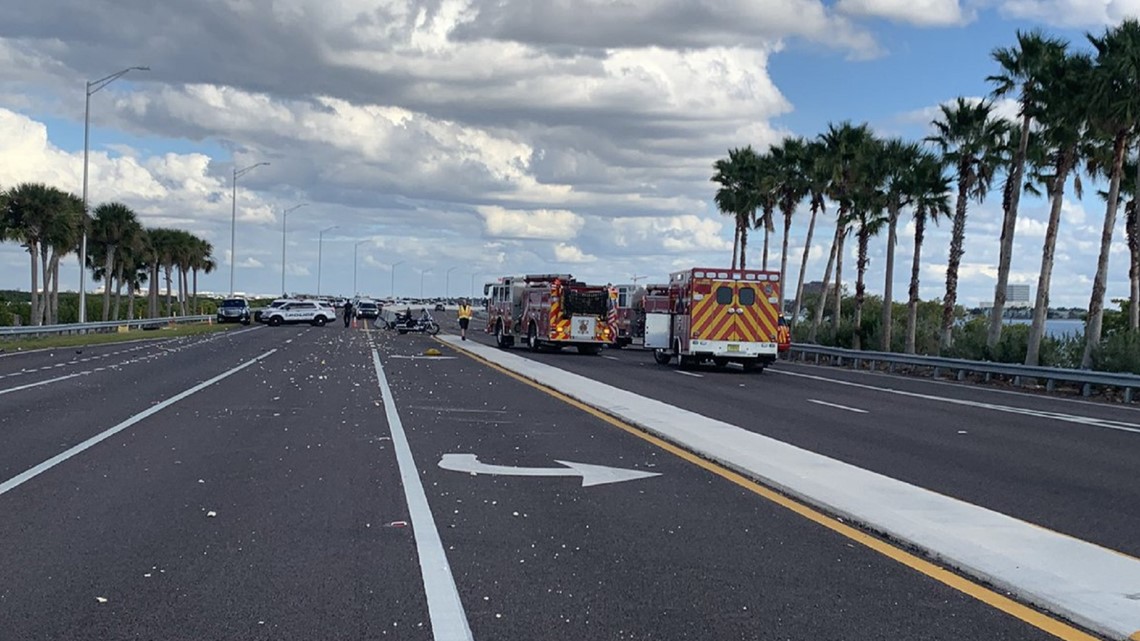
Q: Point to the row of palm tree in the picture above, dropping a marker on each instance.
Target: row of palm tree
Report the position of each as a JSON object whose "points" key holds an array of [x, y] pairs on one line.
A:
{"points": [[122, 253], [1079, 115]]}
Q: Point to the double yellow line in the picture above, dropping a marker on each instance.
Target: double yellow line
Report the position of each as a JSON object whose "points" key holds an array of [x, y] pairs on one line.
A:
{"points": [[1035, 618]]}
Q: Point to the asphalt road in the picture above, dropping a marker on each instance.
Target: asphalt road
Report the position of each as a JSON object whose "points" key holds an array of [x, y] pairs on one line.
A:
{"points": [[1062, 463], [248, 486]]}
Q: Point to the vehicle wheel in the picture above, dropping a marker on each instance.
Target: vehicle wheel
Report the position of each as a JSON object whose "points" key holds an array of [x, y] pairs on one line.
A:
{"points": [[750, 365], [662, 357], [274, 321], [433, 328], [402, 331], [319, 321], [532, 338], [245, 321], [721, 362], [590, 350], [500, 338]]}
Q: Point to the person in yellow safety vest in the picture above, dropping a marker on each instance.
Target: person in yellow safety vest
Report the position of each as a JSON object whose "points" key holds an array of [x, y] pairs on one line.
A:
{"points": [[464, 318]]}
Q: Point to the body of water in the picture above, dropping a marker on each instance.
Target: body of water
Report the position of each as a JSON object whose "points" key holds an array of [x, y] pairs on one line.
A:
{"points": [[1054, 327]]}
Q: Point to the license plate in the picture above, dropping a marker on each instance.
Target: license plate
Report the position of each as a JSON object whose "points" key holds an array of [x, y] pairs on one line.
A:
{"points": [[733, 347]]}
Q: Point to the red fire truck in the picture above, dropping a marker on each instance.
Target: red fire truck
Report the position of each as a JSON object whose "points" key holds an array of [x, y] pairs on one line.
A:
{"points": [[715, 314], [550, 311]]}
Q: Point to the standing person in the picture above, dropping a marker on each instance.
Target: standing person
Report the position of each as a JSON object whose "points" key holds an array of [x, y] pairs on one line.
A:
{"points": [[347, 312], [464, 317]]}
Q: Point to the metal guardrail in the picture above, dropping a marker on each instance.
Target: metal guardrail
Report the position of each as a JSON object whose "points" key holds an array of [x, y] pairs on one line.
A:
{"points": [[97, 327], [961, 367]]}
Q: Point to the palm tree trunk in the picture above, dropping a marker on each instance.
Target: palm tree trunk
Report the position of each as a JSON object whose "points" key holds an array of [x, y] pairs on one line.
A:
{"points": [[818, 320], [196, 308], [735, 244], [889, 280], [45, 299], [839, 281], [152, 291], [55, 258], [181, 275], [118, 289], [108, 269], [803, 268], [1008, 227], [784, 254], [1134, 253], [957, 239], [1041, 305], [764, 258], [864, 237], [131, 300], [169, 311], [743, 245], [915, 267], [1132, 230], [33, 251], [1095, 320]]}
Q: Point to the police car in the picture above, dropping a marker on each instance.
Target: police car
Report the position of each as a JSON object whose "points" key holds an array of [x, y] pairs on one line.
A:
{"points": [[300, 311]]}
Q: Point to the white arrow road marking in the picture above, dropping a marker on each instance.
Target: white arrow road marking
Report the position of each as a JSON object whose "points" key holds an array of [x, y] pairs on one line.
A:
{"points": [[591, 474], [837, 406]]}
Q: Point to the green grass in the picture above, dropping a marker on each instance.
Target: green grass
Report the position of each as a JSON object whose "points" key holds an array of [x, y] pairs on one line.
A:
{"points": [[78, 340]]}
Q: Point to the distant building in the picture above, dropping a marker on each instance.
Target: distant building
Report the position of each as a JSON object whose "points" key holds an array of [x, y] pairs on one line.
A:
{"points": [[1017, 296]]}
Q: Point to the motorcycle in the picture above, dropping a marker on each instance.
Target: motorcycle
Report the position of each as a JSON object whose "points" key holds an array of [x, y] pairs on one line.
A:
{"points": [[405, 323]]}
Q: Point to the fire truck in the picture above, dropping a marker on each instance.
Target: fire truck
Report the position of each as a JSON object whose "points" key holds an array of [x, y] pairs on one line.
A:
{"points": [[630, 314], [715, 314], [550, 311]]}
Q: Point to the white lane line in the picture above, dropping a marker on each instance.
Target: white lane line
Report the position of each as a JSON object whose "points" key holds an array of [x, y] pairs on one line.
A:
{"points": [[837, 406], [445, 609], [1059, 416], [33, 472], [37, 384], [683, 373], [612, 358]]}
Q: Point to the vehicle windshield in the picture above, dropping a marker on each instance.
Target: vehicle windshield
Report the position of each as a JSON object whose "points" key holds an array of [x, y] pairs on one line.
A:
{"points": [[368, 305], [233, 302]]}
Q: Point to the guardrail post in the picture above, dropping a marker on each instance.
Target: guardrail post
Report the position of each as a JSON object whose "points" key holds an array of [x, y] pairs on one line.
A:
{"points": [[988, 376], [858, 363], [1050, 384], [1127, 394], [1017, 381], [961, 375], [817, 358], [937, 372], [1086, 389], [890, 367]]}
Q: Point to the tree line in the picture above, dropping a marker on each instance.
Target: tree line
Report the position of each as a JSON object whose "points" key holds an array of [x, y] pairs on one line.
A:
{"points": [[1078, 117], [121, 252]]}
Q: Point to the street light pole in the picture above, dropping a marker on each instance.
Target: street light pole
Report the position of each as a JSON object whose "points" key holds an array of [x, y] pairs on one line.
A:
{"points": [[393, 287], [92, 87], [355, 292], [320, 246], [447, 281], [238, 173], [284, 220]]}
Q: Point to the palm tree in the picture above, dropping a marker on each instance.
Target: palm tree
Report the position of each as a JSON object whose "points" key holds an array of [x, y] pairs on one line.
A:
{"points": [[1114, 98], [969, 139], [931, 202], [738, 195], [204, 262], [113, 224], [1132, 234], [63, 234], [815, 171], [765, 185], [1023, 70], [868, 200], [1064, 120], [900, 187], [26, 212], [845, 145], [790, 184]]}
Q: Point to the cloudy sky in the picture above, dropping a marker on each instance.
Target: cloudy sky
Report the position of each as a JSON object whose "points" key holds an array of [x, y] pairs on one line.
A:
{"points": [[482, 138]]}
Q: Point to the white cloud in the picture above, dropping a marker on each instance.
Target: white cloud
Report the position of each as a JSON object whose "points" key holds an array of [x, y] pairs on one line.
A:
{"points": [[566, 253], [1071, 13], [924, 13], [542, 223]]}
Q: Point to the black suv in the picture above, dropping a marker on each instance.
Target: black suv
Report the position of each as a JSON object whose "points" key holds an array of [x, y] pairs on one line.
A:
{"points": [[234, 309]]}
